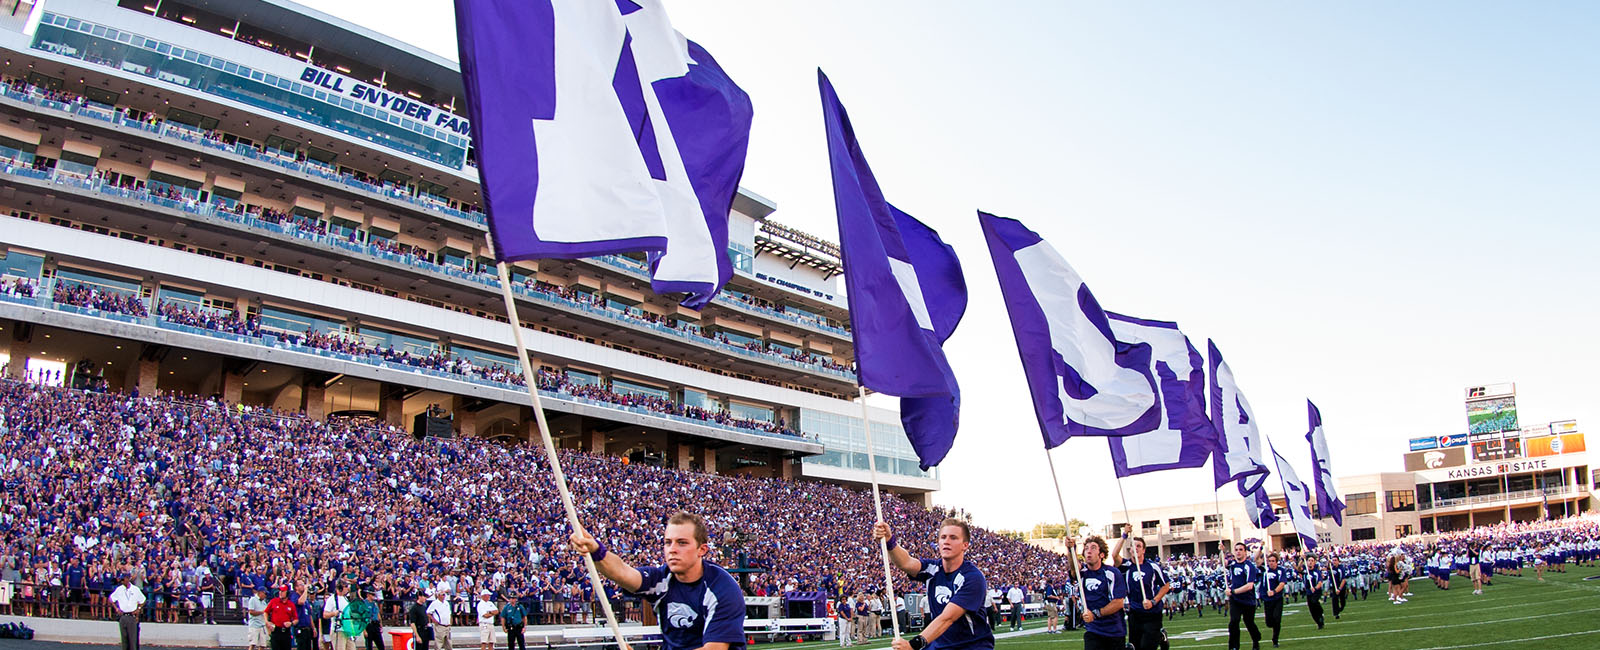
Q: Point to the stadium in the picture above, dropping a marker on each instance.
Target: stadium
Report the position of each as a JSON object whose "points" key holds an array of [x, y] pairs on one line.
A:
{"points": [[253, 336]]}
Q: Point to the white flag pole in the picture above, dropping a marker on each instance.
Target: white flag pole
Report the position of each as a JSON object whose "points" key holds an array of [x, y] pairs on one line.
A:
{"points": [[1125, 514], [531, 376], [877, 502], [1071, 552]]}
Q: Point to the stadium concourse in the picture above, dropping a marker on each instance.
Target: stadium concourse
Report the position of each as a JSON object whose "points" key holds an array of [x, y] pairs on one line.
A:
{"points": [[174, 489]]}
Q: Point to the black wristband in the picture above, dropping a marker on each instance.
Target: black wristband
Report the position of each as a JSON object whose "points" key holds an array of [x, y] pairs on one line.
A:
{"points": [[599, 553], [918, 643]]}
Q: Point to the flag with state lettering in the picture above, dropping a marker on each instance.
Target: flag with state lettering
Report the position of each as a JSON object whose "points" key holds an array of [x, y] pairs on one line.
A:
{"points": [[599, 129], [1296, 500], [1184, 437], [1239, 456], [1328, 501], [1083, 381]]}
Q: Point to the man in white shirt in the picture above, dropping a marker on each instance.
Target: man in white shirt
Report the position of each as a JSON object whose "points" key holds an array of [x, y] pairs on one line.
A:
{"points": [[1014, 596], [486, 613], [439, 619], [333, 610], [256, 607], [128, 600]]}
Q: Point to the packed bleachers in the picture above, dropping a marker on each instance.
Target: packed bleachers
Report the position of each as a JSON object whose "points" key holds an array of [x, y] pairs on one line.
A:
{"points": [[179, 488]]}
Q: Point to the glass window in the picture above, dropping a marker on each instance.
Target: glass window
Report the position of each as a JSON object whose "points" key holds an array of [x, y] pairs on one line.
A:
{"points": [[625, 387], [581, 378], [97, 281], [296, 322], [1401, 500], [1363, 534], [21, 265], [182, 297], [697, 399], [485, 359], [739, 339], [1362, 503], [750, 412]]}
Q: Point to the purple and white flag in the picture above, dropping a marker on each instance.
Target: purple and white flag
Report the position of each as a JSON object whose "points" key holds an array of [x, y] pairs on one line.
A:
{"points": [[1239, 456], [1328, 502], [1297, 500], [1185, 437], [906, 290], [599, 130], [1258, 506], [1082, 380]]}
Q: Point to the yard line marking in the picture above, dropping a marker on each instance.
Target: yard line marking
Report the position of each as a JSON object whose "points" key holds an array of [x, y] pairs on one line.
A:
{"points": [[1537, 638], [1416, 629]]}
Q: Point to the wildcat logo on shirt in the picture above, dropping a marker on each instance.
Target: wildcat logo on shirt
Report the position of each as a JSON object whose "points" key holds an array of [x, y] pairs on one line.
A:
{"points": [[680, 615], [942, 594], [1091, 584]]}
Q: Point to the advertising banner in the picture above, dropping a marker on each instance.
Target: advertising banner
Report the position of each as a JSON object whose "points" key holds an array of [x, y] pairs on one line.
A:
{"points": [[1424, 443], [1436, 459], [1553, 445]]}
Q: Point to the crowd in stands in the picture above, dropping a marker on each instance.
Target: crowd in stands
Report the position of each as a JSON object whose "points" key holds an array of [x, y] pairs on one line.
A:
{"points": [[549, 380], [116, 302], [209, 319], [216, 138], [19, 287], [201, 500]]}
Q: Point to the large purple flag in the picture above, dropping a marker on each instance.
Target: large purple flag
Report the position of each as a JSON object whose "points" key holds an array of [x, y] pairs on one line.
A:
{"points": [[1258, 506], [906, 291], [1185, 437], [1296, 500], [601, 130], [1328, 502], [1083, 381], [1239, 455]]}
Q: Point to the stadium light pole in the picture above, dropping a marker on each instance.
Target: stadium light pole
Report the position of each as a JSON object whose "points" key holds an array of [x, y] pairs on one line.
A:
{"points": [[531, 376]]}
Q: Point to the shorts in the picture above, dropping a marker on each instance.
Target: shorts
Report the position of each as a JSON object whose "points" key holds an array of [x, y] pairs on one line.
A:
{"points": [[486, 633], [1051, 610], [256, 636], [1474, 572]]}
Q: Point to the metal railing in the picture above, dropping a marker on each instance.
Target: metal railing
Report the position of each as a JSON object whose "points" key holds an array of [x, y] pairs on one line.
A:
{"points": [[1491, 498], [173, 131], [43, 298], [291, 228], [310, 168]]}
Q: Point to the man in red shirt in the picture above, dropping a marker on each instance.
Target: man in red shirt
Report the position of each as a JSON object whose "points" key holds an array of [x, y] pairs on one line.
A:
{"points": [[281, 616]]}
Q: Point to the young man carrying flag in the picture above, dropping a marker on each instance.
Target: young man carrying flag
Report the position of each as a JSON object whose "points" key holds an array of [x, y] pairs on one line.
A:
{"points": [[1104, 592], [699, 604], [956, 590]]}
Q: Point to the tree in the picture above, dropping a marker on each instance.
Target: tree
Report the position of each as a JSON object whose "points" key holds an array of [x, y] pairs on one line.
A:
{"points": [[1075, 526]]}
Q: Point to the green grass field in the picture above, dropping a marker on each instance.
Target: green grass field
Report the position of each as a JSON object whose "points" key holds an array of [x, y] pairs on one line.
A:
{"points": [[1562, 612]]}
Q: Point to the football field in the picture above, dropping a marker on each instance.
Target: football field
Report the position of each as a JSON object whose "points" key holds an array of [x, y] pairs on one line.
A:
{"points": [[1562, 612]]}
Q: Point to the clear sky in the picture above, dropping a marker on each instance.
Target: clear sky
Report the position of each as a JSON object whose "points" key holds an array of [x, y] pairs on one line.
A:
{"points": [[1370, 204]]}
